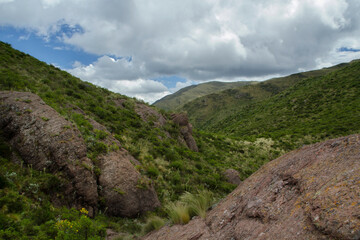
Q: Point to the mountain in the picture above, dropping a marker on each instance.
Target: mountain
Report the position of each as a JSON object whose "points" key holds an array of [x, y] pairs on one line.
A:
{"points": [[176, 100], [210, 109], [314, 108]]}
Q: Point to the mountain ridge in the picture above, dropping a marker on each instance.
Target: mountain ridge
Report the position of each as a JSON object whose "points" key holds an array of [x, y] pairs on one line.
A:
{"points": [[175, 101]]}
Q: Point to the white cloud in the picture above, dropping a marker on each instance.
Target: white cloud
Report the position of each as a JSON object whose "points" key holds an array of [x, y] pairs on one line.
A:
{"points": [[199, 40], [109, 72]]}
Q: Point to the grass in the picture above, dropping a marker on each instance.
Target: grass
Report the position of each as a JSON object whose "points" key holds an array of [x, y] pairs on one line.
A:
{"points": [[198, 203], [153, 223], [176, 101], [178, 212], [208, 112]]}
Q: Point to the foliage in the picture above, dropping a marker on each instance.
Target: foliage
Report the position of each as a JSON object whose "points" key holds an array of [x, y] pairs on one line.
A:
{"points": [[81, 228], [153, 223], [178, 212], [256, 123], [210, 110], [198, 203], [314, 109], [174, 102]]}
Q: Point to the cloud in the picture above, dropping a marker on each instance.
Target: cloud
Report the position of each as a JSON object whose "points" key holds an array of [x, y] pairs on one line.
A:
{"points": [[199, 40], [108, 72]]}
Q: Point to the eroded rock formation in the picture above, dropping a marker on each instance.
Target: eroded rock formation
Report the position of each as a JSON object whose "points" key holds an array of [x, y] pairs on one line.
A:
{"points": [[310, 193], [186, 130], [46, 141]]}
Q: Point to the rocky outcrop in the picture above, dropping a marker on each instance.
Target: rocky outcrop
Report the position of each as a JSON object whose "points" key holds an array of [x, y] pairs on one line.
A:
{"points": [[182, 120], [147, 114], [46, 140], [232, 176], [310, 193], [125, 191]]}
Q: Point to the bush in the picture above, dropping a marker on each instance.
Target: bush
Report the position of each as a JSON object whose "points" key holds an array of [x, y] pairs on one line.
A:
{"points": [[153, 223], [82, 228], [3, 181], [178, 212], [198, 203]]}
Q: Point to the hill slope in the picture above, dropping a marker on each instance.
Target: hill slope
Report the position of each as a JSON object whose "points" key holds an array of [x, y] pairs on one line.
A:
{"points": [[103, 123], [210, 109], [313, 109], [176, 100]]}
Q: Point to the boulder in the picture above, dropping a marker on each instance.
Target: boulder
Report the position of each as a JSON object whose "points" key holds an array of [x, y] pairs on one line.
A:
{"points": [[182, 120], [309, 193], [232, 176], [126, 192], [47, 141], [147, 114]]}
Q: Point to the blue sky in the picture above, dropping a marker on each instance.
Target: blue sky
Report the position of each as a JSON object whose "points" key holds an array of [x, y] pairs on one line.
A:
{"points": [[148, 49], [51, 51]]}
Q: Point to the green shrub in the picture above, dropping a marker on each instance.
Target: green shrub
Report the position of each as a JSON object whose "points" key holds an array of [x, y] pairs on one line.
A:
{"points": [[177, 165], [198, 203], [152, 171], [3, 181], [82, 228], [178, 212], [153, 223]]}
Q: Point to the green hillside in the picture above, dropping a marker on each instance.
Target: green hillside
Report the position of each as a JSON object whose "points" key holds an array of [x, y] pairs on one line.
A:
{"points": [[176, 101], [245, 128], [206, 111], [315, 108], [173, 168]]}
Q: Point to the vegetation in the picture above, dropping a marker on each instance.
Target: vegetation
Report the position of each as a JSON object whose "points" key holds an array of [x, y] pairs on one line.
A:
{"points": [[198, 203], [206, 111], [173, 168], [26, 211], [153, 223], [314, 109], [258, 123], [176, 101]]}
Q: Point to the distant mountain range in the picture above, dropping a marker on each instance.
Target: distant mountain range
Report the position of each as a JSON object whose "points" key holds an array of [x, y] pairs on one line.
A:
{"points": [[214, 110], [177, 100]]}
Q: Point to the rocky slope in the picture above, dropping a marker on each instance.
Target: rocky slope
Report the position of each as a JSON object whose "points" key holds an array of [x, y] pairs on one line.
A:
{"points": [[309, 193], [48, 142]]}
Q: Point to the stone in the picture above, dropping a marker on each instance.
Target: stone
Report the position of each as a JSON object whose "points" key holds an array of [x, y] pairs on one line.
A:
{"points": [[46, 141], [232, 176], [182, 120]]}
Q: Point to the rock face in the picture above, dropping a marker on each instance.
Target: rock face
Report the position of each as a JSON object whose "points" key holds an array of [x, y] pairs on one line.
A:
{"points": [[232, 176], [186, 130], [310, 193], [46, 140], [125, 191], [149, 114]]}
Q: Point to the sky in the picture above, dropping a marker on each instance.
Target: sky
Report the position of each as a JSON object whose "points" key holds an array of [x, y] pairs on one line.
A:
{"points": [[150, 48]]}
